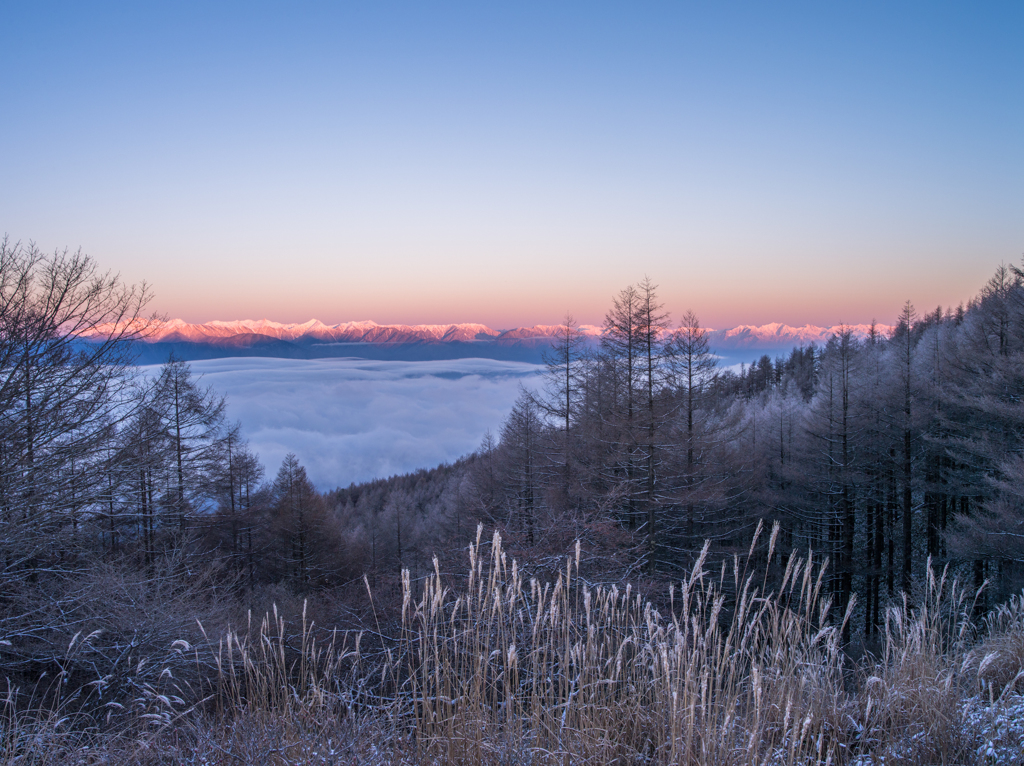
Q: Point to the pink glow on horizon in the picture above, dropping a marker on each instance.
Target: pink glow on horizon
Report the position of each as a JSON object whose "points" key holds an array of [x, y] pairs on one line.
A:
{"points": [[504, 294], [177, 330], [824, 310]]}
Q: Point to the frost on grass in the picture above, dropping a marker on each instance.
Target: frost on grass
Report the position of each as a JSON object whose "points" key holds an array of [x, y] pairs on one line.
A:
{"points": [[500, 668], [999, 727]]}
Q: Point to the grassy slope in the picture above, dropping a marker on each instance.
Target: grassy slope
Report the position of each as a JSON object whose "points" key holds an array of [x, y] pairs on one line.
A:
{"points": [[507, 671]]}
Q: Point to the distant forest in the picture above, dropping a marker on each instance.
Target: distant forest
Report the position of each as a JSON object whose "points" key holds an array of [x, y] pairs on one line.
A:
{"points": [[879, 454], [882, 454]]}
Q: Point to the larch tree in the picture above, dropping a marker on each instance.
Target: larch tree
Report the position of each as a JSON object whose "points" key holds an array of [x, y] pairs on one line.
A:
{"points": [[652, 324], [903, 346], [692, 366], [562, 383], [233, 477], [621, 346], [66, 330], [521, 451], [194, 417], [309, 545], [982, 428]]}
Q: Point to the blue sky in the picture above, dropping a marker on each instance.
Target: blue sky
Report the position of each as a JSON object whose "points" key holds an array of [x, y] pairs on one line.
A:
{"points": [[502, 163]]}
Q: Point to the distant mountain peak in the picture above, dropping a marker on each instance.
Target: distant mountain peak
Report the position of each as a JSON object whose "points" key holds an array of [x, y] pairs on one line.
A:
{"points": [[775, 334], [368, 331], [314, 339]]}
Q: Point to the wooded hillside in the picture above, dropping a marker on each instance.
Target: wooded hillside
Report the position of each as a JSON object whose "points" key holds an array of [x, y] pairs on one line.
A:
{"points": [[136, 526]]}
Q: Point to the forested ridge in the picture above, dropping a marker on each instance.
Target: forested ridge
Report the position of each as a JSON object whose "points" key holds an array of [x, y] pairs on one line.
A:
{"points": [[882, 453], [139, 533]]}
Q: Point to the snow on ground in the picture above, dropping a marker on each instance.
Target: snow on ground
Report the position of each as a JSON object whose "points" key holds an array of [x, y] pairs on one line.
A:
{"points": [[996, 725], [1000, 727]]}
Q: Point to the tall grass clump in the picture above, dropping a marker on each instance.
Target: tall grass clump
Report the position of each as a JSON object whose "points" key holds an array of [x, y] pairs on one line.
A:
{"points": [[283, 698], [998, 660], [520, 672], [910, 705], [996, 667], [60, 720]]}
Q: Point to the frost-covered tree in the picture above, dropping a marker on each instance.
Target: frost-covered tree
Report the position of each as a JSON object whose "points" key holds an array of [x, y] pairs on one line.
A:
{"points": [[194, 418], [560, 400], [521, 453], [65, 387]]}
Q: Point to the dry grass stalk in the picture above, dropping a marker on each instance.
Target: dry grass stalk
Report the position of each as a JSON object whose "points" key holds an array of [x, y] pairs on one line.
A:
{"points": [[565, 673], [517, 672]]}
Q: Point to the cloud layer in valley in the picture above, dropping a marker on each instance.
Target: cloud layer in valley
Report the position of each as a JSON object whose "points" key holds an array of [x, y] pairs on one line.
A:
{"points": [[353, 419]]}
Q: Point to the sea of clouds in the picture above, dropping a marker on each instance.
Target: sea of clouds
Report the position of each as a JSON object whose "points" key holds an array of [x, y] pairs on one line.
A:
{"points": [[351, 420]]}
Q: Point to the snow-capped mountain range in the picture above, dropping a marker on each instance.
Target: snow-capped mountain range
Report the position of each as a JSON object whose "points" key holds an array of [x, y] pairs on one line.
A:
{"points": [[775, 334], [367, 339], [178, 330]]}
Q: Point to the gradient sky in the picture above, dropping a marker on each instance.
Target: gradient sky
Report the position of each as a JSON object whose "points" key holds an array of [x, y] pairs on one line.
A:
{"points": [[503, 162]]}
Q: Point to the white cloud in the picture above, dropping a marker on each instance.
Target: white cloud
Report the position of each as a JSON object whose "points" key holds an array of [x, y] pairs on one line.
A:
{"points": [[354, 419]]}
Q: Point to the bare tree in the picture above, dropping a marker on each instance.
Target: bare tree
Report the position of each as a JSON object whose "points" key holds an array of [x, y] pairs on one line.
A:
{"points": [[621, 347], [563, 380], [194, 417], [65, 343], [652, 325], [308, 545], [233, 477], [903, 347], [521, 451], [692, 366]]}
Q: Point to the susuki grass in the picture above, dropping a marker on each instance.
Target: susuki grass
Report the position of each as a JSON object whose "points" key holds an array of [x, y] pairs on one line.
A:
{"points": [[561, 672], [739, 668]]}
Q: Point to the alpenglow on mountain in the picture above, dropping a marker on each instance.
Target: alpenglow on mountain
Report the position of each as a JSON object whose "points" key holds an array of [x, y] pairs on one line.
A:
{"points": [[369, 340]]}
